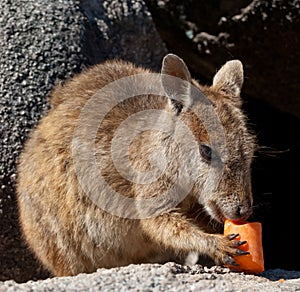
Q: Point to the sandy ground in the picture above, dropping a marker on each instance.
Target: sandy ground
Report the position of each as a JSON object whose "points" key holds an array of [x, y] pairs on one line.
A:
{"points": [[168, 277]]}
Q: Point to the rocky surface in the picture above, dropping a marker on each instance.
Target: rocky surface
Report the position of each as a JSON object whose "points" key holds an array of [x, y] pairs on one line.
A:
{"points": [[168, 277], [43, 42], [263, 34]]}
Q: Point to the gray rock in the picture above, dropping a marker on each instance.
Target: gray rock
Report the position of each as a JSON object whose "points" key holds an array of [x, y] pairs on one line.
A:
{"points": [[121, 29]]}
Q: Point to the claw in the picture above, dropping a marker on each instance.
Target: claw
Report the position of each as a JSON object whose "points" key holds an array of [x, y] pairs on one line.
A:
{"points": [[233, 236], [238, 243], [230, 261], [241, 252]]}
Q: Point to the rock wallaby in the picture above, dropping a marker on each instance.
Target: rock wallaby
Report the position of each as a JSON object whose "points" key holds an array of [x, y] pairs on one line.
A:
{"points": [[148, 196]]}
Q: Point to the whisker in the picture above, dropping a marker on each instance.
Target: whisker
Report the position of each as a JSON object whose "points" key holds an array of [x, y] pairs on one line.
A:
{"points": [[198, 213], [215, 224], [270, 151]]}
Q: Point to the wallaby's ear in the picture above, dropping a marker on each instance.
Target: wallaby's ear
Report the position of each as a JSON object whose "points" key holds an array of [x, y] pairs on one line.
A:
{"points": [[176, 80], [229, 79]]}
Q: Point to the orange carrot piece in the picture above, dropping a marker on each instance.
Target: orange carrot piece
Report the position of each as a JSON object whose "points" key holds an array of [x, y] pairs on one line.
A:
{"points": [[251, 232]]}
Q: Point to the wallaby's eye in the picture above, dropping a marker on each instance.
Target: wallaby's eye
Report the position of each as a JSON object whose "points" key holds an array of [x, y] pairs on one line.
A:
{"points": [[205, 152]]}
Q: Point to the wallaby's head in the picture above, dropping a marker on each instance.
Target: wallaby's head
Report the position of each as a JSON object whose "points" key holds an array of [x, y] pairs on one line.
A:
{"points": [[223, 179]]}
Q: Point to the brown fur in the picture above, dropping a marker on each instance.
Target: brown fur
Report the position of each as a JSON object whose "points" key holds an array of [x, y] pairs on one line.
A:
{"points": [[70, 234]]}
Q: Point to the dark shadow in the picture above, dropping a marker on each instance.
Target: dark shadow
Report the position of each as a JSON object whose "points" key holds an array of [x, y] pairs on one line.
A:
{"points": [[276, 183], [278, 274]]}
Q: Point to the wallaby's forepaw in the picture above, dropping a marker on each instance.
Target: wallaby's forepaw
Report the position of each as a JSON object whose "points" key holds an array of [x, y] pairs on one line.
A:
{"points": [[225, 247]]}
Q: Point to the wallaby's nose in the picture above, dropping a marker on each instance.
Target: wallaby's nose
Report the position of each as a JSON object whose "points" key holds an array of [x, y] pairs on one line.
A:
{"points": [[243, 212]]}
